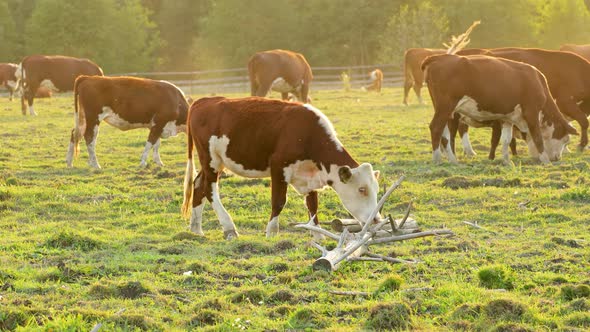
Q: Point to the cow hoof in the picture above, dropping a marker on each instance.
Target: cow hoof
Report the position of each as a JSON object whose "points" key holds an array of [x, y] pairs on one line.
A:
{"points": [[272, 228], [197, 231], [143, 164], [231, 234]]}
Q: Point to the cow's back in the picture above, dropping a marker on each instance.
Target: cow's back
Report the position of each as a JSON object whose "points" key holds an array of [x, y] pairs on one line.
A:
{"points": [[291, 66], [581, 50], [62, 71]]}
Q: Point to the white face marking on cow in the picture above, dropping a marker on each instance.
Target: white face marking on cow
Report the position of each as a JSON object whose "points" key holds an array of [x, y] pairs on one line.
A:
{"points": [[327, 125], [358, 194], [467, 148], [272, 228], [304, 176], [48, 84], [220, 160], [374, 75], [112, 118], [281, 85]]}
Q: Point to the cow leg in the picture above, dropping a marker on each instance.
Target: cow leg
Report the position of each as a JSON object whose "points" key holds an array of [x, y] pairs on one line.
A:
{"points": [[29, 95], [229, 228], [506, 139], [263, 88], [202, 190], [496, 133], [311, 201], [531, 117], [407, 86], [156, 153], [153, 139], [568, 107], [304, 93], [446, 139], [90, 137], [278, 198], [438, 125], [418, 82], [253, 88], [454, 125]]}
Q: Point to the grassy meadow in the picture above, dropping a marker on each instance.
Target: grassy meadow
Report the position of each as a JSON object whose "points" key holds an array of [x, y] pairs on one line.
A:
{"points": [[80, 246]]}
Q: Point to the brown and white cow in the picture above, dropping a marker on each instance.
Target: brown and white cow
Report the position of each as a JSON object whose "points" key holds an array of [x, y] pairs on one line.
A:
{"points": [[126, 103], [282, 71], [568, 78], [291, 143], [56, 73], [377, 80], [7, 78], [413, 76], [483, 88], [581, 50]]}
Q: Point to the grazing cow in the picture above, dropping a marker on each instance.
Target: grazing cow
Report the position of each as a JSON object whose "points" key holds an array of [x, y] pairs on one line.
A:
{"points": [[56, 73], [282, 71], [126, 103], [568, 77], [7, 77], [483, 88], [413, 76], [377, 78], [581, 50], [43, 92], [289, 142]]}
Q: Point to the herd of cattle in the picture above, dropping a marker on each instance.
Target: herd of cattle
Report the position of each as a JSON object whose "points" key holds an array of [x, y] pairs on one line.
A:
{"points": [[528, 93]]}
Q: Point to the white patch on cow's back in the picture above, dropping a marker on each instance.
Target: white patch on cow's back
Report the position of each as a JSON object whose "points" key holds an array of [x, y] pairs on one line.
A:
{"points": [[281, 85], [328, 127], [304, 176], [112, 118], [220, 160], [48, 84]]}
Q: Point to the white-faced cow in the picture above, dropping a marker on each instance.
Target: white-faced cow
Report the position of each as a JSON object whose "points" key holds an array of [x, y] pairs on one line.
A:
{"points": [[282, 71], [377, 80], [568, 78], [289, 142], [126, 103], [483, 88], [581, 50], [413, 76], [57, 73], [7, 77]]}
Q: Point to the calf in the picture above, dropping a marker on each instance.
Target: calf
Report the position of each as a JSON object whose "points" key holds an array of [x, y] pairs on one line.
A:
{"points": [[56, 73], [413, 75], [483, 88], [289, 142], [7, 78], [126, 103], [377, 78], [282, 71], [581, 50]]}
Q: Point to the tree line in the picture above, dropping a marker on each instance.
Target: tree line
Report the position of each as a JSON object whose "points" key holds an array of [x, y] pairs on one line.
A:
{"points": [[145, 35]]}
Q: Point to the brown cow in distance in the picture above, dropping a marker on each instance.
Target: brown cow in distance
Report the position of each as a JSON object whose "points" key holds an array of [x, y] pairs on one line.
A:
{"points": [[483, 88], [413, 76], [581, 50], [126, 103], [7, 78], [56, 73], [568, 77], [257, 138], [377, 80], [282, 71]]}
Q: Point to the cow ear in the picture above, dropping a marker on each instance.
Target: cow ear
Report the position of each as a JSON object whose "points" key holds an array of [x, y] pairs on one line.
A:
{"points": [[345, 173], [376, 174]]}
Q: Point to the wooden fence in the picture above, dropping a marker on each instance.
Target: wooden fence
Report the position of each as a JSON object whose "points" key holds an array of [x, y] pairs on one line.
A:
{"points": [[235, 80]]}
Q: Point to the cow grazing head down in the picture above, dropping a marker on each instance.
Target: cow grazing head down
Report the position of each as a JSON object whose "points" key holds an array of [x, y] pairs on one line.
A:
{"points": [[291, 143], [555, 138], [358, 189]]}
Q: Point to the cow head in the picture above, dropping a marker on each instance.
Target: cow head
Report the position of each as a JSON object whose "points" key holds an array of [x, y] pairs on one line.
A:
{"points": [[555, 139], [358, 189]]}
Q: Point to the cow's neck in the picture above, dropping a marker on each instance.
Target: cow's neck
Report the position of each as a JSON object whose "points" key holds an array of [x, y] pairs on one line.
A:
{"points": [[330, 161]]}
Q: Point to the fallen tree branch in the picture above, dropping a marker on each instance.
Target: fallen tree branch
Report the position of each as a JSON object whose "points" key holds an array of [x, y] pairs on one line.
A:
{"points": [[474, 224], [435, 232]]}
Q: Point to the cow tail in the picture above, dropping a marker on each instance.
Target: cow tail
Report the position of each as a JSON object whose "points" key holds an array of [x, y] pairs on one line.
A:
{"points": [[79, 118], [189, 174]]}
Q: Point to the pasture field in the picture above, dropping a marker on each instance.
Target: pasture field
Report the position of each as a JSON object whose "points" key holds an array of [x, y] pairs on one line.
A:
{"points": [[80, 246]]}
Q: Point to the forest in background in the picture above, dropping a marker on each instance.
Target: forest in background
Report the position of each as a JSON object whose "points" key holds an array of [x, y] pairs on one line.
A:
{"points": [[182, 35]]}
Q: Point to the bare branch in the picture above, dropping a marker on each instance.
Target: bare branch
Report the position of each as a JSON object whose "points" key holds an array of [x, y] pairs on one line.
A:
{"points": [[350, 293], [411, 236], [401, 224], [474, 224], [459, 43]]}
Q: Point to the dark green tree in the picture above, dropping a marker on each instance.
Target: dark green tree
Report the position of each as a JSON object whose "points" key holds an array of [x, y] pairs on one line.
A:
{"points": [[564, 21], [8, 36]]}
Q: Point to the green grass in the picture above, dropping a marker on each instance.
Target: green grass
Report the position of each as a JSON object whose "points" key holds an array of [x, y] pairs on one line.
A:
{"points": [[80, 246]]}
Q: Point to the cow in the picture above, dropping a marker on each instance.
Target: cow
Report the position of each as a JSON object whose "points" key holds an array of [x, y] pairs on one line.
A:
{"points": [[568, 78], [282, 71], [483, 88], [43, 92], [126, 103], [377, 80], [413, 76], [56, 73], [7, 78], [292, 143], [581, 50]]}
